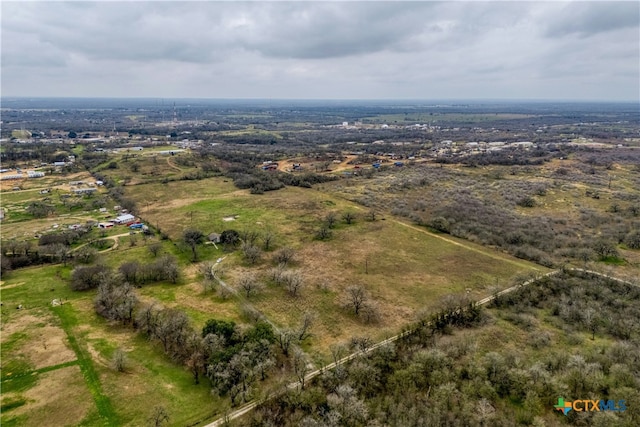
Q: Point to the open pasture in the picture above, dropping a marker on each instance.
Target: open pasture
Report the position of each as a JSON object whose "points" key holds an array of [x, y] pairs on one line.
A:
{"points": [[405, 269]]}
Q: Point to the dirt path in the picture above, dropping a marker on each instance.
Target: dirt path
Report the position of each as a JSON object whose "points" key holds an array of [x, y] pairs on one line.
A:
{"points": [[114, 238], [470, 248], [172, 165], [487, 253]]}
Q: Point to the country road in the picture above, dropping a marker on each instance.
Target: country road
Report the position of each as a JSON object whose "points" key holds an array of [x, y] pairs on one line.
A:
{"points": [[248, 407]]}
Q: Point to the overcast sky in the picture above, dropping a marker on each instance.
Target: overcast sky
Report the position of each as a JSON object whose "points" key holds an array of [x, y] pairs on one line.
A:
{"points": [[341, 50]]}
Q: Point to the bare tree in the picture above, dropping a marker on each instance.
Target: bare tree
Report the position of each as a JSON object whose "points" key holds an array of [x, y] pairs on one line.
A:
{"points": [[605, 248], [284, 256], [146, 318], [267, 239], [371, 215], [277, 273], [323, 233], [293, 282], [349, 217], [356, 298], [11, 246], [249, 285], [361, 343], [330, 220], [193, 238], [169, 268], [211, 271], [155, 248], [196, 355], [251, 252], [337, 351], [130, 271], [85, 255], [119, 360], [285, 339], [115, 300], [370, 313], [308, 318], [249, 237], [592, 321], [159, 416], [62, 252], [300, 367]]}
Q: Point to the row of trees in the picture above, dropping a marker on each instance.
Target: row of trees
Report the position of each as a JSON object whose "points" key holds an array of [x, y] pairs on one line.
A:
{"points": [[50, 248], [164, 268]]}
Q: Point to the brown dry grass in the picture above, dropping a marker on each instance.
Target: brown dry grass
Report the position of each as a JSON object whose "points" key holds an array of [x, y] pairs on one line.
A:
{"points": [[45, 343], [404, 269], [60, 398]]}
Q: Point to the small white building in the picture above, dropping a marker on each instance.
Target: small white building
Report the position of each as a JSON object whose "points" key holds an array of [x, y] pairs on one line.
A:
{"points": [[123, 219], [12, 176]]}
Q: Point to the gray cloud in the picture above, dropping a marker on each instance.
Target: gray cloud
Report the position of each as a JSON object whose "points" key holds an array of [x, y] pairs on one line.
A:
{"points": [[322, 49], [591, 18]]}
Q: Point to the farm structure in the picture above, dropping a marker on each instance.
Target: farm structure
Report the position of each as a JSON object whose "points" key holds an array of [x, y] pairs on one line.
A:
{"points": [[84, 190], [124, 219]]}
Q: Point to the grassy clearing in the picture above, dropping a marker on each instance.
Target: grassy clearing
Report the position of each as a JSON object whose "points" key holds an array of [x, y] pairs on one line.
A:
{"points": [[106, 412], [405, 269], [45, 403]]}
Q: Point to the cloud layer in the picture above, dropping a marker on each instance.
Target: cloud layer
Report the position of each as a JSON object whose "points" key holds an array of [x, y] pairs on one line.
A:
{"points": [[419, 50]]}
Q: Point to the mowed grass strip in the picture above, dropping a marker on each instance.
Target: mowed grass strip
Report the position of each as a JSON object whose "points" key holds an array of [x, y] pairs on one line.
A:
{"points": [[103, 404], [150, 377]]}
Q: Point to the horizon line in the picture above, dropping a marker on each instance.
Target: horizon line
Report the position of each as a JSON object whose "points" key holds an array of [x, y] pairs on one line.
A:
{"points": [[562, 100]]}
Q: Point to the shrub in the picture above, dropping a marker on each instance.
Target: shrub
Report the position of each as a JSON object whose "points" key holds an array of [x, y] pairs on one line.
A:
{"points": [[441, 224], [527, 202], [633, 240]]}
